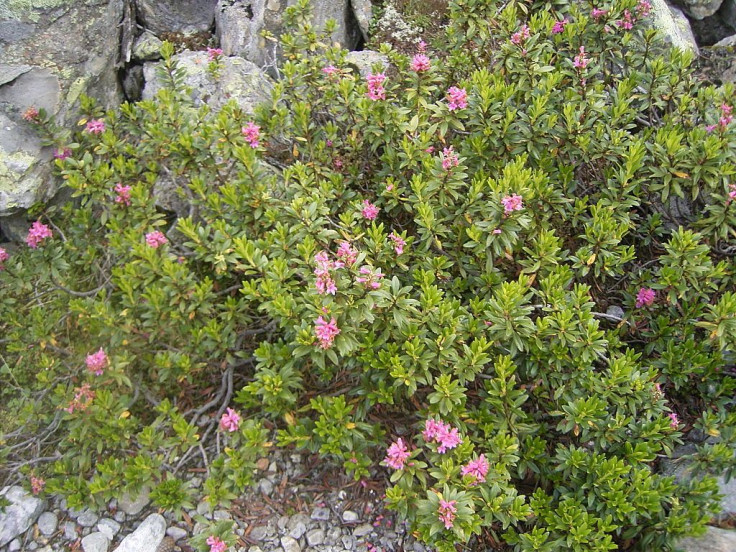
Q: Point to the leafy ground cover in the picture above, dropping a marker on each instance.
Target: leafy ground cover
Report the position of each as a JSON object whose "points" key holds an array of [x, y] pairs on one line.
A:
{"points": [[499, 272]]}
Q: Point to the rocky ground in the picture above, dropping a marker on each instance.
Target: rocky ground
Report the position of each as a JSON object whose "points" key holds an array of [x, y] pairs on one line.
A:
{"points": [[294, 507]]}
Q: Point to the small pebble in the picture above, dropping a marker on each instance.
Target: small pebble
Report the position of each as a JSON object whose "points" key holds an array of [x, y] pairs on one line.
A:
{"points": [[266, 487], [176, 533], [298, 531], [47, 523], [290, 545], [363, 530], [203, 509], [70, 530], [320, 514], [119, 516], [14, 545], [95, 542], [315, 537], [349, 516], [87, 518], [259, 533], [348, 542], [219, 515], [109, 527]]}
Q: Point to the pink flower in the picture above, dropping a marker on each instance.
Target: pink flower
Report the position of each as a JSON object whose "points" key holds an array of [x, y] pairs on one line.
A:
{"points": [[370, 278], [710, 128], [326, 331], [62, 154], [422, 46], [37, 484], [674, 420], [375, 87], [477, 468], [324, 283], [559, 26], [30, 114], [429, 150], [397, 455], [369, 211], [123, 194], [230, 420], [643, 8], [96, 362], [347, 253], [214, 53], [627, 23], [95, 126], [446, 436], [83, 397], [512, 203], [581, 62], [329, 70], [37, 233], [399, 243], [658, 393], [447, 511], [731, 193], [598, 13], [3, 257], [645, 296], [390, 187], [155, 239], [449, 158], [496, 231], [420, 63], [215, 544], [457, 98], [520, 36], [252, 133]]}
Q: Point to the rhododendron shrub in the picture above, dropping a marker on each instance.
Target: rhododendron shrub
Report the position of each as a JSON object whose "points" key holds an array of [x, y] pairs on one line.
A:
{"points": [[466, 277]]}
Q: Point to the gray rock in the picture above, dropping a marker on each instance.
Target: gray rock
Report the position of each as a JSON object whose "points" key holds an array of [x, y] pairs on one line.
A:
{"points": [[315, 537], [49, 64], [119, 516], [147, 47], [349, 516], [95, 542], [109, 527], [682, 471], [320, 514], [348, 541], [255, 548], [14, 545], [134, 505], [87, 518], [70, 530], [290, 544], [714, 540], [616, 312], [362, 530], [674, 26], [364, 61], [203, 509], [699, 9], [146, 537], [18, 516], [47, 523], [363, 12], [261, 532], [266, 487], [297, 525], [176, 533], [219, 515], [176, 16]]}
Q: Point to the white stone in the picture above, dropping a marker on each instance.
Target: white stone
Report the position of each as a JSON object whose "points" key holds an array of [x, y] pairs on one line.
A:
{"points": [[146, 537], [290, 544], [176, 533], [17, 517], [315, 537], [109, 527], [47, 523], [95, 542], [714, 540], [87, 518], [134, 505], [349, 516]]}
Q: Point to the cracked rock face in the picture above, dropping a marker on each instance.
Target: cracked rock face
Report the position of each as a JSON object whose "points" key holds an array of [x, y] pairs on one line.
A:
{"points": [[176, 16]]}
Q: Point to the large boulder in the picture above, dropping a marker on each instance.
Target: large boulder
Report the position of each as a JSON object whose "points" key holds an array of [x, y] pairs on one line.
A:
{"points": [[17, 517], [699, 9], [239, 24], [673, 25], [177, 16], [714, 540], [49, 56]]}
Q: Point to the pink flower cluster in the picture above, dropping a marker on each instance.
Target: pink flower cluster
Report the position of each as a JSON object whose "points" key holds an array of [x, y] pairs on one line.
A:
{"points": [[326, 331], [62, 154], [645, 296], [95, 126], [581, 61], [83, 397], [346, 253], [324, 283], [397, 455], [369, 211], [3, 257], [230, 420], [447, 512], [674, 420], [627, 23], [457, 98], [37, 233], [30, 114], [97, 362], [512, 203], [329, 70], [156, 239], [420, 63], [559, 26], [520, 36], [216, 544], [371, 278], [123, 194], [725, 119], [597, 13], [731, 193], [214, 53], [375, 86], [478, 469], [399, 242], [252, 134], [449, 158], [37, 484], [445, 435]]}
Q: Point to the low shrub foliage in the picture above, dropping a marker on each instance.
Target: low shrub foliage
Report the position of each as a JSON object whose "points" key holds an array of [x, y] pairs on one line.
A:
{"points": [[498, 272]]}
